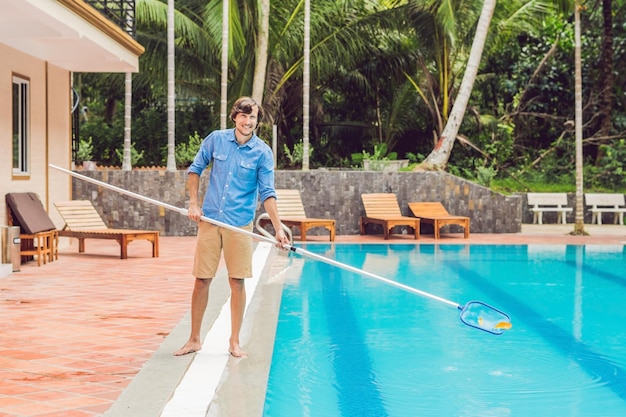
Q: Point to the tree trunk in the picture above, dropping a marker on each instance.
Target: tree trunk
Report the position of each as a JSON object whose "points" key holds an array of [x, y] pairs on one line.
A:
{"points": [[224, 79], [579, 224], [171, 92], [306, 85], [438, 158], [128, 100], [260, 63]]}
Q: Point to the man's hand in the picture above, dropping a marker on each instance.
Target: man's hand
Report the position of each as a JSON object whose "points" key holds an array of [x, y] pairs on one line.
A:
{"points": [[194, 213], [281, 239]]}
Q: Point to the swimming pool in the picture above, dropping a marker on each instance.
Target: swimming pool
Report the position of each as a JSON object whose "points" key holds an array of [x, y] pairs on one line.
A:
{"points": [[350, 346]]}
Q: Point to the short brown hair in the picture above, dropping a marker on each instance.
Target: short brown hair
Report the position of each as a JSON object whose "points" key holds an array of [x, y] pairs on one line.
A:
{"points": [[244, 105]]}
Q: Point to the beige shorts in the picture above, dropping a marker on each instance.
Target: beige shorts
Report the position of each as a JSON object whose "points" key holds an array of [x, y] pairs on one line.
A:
{"points": [[237, 249]]}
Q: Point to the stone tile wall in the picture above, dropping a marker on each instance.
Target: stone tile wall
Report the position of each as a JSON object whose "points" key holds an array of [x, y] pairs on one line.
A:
{"points": [[330, 194]]}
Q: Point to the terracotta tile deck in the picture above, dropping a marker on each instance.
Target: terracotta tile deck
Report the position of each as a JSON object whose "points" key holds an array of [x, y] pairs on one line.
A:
{"points": [[76, 331]]}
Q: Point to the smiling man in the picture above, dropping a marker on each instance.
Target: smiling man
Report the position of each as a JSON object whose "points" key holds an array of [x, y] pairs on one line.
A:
{"points": [[242, 169]]}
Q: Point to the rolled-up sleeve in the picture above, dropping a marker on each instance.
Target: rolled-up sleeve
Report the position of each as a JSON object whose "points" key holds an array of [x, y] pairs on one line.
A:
{"points": [[202, 158], [266, 177]]}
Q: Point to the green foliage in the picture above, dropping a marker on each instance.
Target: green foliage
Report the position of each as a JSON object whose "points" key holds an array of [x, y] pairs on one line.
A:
{"points": [[510, 185], [294, 157], [136, 157], [380, 154], [85, 150], [556, 174], [610, 171], [385, 92], [414, 158], [105, 137], [151, 130], [484, 175], [186, 152], [105, 124]]}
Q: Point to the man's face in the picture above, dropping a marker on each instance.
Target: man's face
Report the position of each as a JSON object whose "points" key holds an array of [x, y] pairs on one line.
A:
{"points": [[246, 123]]}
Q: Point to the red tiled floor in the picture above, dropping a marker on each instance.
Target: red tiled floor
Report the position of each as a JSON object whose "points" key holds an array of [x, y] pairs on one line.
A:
{"points": [[76, 331]]}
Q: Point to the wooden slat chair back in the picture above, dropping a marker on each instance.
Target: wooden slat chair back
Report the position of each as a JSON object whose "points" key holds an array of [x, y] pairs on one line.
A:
{"points": [[82, 221], [383, 209], [381, 205], [436, 214], [290, 204], [292, 214], [80, 215], [428, 209]]}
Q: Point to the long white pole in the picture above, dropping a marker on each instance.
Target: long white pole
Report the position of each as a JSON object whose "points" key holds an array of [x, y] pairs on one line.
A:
{"points": [[291, 248]]}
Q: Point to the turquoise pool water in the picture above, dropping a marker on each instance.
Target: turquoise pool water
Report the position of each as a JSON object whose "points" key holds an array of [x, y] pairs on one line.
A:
{"points": [[350, 346]]}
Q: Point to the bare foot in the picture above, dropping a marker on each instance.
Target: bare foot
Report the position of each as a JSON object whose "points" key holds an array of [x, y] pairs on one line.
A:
{"points": [[190, 347], [237, 352]]}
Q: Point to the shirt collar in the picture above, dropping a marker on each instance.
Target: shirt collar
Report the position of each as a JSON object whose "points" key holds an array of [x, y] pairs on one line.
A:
{"points": [[252, 143]]}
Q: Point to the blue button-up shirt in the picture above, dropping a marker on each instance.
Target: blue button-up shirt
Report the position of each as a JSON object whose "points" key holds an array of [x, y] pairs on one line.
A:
{"points": [[240, 174]]}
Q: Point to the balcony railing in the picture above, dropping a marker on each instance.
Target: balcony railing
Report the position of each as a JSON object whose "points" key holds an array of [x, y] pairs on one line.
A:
{"points": [[120, 12]]}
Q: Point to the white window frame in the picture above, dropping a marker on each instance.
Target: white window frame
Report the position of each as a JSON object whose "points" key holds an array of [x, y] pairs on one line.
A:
{"points": [[20, 92]]}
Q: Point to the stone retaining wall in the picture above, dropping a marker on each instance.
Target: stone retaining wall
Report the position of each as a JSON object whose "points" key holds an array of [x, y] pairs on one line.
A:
{"points": [[329, 194]]}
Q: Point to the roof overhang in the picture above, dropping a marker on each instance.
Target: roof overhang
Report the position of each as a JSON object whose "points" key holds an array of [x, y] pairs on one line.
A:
{"points": [[69, 34]]}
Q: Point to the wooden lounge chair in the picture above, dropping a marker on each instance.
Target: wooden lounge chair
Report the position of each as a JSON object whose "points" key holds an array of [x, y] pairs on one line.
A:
{"points": [[383, 209], [436, 214], [38, 234], [83, 221], [292, 214]]}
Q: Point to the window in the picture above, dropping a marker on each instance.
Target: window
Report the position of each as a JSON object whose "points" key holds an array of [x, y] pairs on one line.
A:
{"points": [[21, 105]]}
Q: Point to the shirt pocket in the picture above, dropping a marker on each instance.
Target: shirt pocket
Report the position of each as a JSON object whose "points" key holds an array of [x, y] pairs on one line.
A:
{"points": [[219, 162], [247, 171]]}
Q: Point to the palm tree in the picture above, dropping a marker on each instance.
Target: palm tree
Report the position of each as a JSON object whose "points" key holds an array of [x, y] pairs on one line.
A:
{"points": [[341, 28], [196, 49], [262, 48], [224, 77], [443, 34], [128, 99], [171, 89], [564, 6], [198, 37], [343, 39], [579, 224], [438, 158], [306, 85]]}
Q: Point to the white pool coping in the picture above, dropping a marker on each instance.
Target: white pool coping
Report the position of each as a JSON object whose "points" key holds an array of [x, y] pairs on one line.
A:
{"points": [[191, 397]]}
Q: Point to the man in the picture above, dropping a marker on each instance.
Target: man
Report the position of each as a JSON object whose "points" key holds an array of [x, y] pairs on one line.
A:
{"points": [[243, 168]]}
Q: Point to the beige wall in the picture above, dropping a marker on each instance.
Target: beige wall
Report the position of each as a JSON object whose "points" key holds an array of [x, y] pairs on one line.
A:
{"points": [[59, 139], [50, 130]]}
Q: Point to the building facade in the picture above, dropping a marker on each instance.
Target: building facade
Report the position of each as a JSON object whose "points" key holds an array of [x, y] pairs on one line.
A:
{"points": [[42, 43]]}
